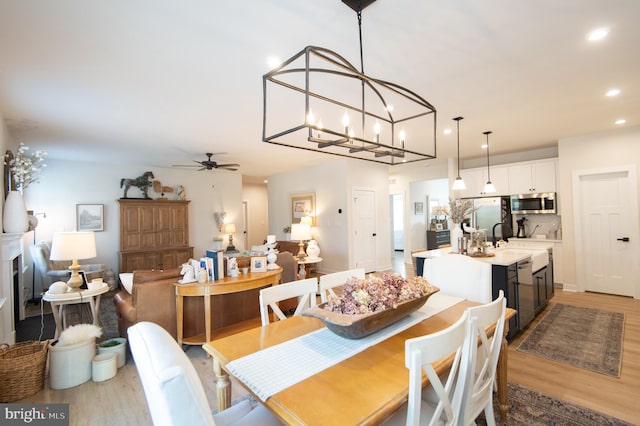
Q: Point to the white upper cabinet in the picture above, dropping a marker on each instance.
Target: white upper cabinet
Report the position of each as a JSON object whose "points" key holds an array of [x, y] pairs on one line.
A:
{"points": [[475, 179], [532, 177]]}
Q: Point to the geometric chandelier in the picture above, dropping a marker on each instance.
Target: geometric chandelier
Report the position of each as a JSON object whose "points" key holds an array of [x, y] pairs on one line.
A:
{"points": [[318, 101]]}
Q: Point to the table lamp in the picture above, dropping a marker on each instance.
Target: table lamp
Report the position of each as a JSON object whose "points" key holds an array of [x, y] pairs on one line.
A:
{"points": [[73, 246], [230, 228], [301, 231]]}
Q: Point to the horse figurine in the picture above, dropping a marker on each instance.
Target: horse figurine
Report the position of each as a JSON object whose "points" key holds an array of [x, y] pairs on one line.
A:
{"points": [[188, 274], [141, 182]]}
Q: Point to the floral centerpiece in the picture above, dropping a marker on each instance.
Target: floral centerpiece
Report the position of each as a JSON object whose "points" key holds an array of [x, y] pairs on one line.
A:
{"points": [[373, 294], [459, 209], [25, 166], [368, 305]]}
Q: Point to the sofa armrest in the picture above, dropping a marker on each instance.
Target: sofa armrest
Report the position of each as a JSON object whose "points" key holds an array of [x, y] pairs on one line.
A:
{"points": [[124, 306]]}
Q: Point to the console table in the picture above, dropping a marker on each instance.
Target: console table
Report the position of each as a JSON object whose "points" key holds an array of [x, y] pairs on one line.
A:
{"points": [[227, 285]]}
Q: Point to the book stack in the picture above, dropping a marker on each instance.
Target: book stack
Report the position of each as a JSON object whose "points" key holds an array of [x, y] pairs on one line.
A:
{"points": [[214, 264]]}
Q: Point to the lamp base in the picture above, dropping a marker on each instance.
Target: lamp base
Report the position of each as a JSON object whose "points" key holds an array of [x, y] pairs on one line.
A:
{"points": [[231, 249], [301, 253], [75, 282]]}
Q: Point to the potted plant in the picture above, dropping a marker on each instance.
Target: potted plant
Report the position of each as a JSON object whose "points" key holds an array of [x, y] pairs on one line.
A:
{"points": [[287, 232], [116, 344]]}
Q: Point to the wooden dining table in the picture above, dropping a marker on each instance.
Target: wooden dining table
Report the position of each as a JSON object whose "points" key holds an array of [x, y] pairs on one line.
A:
{"points": [[364, 389]]}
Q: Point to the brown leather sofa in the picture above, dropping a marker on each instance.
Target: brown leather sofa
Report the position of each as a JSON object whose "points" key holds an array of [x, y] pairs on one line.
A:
{"points": [[153, 299]]}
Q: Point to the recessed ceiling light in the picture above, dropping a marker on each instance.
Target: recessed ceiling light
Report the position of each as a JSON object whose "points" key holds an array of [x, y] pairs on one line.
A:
{"points": [[447, 131], [273, 62], [598, 34], [621, 121], [612, 92]]}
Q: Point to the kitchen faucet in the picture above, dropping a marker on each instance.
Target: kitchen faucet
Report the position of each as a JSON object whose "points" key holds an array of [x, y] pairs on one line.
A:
{"points": [[493, 233]]}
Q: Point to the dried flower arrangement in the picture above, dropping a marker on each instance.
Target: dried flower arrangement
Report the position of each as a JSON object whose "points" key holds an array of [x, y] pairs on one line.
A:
{"points": [[460, 209], [374, 294], [25, 167]]}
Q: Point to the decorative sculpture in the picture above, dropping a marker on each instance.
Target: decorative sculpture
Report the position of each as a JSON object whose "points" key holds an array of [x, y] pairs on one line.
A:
{"points": [[141, 182], [158, 187], [188, 274], [182, 195]]}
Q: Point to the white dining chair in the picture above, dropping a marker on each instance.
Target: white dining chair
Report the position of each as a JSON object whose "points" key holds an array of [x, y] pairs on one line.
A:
{"points": [[461, 276], [304, 290], [173, 389], [329, 281], [421, 353], [479, 393]]}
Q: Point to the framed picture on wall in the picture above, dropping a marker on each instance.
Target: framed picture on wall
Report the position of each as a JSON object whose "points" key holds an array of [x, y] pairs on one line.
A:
{"points": [[418, 207], [303, 205], [90, 217]]}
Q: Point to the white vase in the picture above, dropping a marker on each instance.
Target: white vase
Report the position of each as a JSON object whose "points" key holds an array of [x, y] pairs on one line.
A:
{"points": [[456, 233], [313, 251], [15, 218]]}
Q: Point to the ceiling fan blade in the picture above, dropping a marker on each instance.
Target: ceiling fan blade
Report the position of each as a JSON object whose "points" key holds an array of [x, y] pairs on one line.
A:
{"points": [[184, 165], [227, 168], [228, 165]]}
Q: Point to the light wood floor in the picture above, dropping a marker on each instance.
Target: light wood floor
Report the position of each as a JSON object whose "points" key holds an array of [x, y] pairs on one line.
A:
{"points": [[121, 400]]}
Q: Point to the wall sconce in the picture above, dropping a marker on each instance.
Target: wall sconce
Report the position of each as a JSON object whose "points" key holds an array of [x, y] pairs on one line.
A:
{"points": [[219, 218]]}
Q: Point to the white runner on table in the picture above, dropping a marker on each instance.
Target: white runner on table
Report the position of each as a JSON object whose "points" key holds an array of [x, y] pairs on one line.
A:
{"points": [[278, 367]]}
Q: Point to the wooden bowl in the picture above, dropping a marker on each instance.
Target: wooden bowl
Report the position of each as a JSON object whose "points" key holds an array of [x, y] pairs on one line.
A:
{"points": [[359, 326]]}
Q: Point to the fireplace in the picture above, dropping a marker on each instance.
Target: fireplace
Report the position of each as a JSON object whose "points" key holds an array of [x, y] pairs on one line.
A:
{"points": [[11, 286]]}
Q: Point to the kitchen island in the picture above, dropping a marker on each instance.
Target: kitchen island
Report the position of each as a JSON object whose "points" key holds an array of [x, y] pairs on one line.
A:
{"points": [[525, 275]]}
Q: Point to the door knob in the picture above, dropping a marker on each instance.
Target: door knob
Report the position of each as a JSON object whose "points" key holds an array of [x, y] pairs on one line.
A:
{"points": [[624, 239]]}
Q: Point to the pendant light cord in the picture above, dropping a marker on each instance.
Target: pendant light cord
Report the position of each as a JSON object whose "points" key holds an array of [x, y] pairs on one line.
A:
{"points": [[488, 170], [359, 14]]}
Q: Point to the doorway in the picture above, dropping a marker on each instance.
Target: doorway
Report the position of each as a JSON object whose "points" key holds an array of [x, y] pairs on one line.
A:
{"points": [[397, 221], [607, 231]]}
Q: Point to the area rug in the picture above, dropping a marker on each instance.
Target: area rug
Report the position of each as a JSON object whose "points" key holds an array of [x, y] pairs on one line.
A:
{"points": [[531, 408], [581, 337]]}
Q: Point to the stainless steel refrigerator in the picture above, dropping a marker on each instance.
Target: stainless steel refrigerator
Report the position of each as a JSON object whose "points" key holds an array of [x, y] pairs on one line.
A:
{"points": [[489, 212]]}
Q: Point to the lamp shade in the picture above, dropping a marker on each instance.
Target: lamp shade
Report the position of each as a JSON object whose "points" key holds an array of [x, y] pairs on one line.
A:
{"points": [[229, 228], [73, 246], [300, 231]]}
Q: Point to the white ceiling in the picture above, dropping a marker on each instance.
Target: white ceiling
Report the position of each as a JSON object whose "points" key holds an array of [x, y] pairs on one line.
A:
{"points": [[161, 82]]}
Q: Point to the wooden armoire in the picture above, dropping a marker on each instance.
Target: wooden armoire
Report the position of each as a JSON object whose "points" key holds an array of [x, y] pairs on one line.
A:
{"points": [[154, 234]]}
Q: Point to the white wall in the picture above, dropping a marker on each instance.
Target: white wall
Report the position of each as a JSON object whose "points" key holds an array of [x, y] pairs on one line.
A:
{"points": [[332, 184], [415, 181], [594, 151], [63, 184]]}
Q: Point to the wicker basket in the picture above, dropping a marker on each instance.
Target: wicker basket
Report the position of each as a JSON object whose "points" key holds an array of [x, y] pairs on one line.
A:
{"points": [[22, 369]]}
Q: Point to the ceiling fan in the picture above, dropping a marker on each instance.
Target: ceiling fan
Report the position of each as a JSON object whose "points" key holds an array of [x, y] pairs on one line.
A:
{"points": [[209, 164]]}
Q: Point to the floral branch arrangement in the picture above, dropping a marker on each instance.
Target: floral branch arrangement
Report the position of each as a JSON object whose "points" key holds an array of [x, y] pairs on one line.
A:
{"points": [[286, 229], [460, 209], [25, 166], [373, 294]]}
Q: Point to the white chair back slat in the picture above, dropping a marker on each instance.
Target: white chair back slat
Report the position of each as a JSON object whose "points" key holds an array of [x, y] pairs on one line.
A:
{"points": [[304, 290]]}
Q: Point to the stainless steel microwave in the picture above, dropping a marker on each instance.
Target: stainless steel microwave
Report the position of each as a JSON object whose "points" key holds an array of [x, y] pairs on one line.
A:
{"points": [[544, 203]]}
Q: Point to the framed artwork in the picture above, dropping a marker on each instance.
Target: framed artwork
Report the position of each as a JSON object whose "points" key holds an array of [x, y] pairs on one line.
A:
{"points": [[303, 205], [90, 217], [259, 264], [418, 207]]}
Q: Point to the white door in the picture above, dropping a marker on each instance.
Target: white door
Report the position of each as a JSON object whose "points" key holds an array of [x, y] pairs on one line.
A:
{"points": [[364, 229], [397, 217], [607, 233]]}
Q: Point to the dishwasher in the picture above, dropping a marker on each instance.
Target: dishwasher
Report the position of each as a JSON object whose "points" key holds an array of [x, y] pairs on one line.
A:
{"points": [[526, 300]]}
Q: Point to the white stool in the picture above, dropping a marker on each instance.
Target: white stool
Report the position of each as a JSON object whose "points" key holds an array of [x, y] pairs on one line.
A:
{"points": [[104, 366]]}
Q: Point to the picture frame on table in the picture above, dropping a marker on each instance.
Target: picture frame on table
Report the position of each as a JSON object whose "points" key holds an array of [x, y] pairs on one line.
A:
{"points": [[259, 264], [303, 205], [83, 275], [90, 217]]}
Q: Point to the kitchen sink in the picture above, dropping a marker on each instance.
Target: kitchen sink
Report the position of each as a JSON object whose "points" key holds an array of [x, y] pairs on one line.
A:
{"points": [[540, 258]]}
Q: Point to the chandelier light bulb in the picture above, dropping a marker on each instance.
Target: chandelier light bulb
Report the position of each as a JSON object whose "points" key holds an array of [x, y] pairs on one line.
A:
{"points": [[345, 120], [310, 118]]}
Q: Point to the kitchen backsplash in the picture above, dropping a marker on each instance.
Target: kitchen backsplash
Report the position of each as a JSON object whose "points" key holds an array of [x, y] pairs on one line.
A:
{"points": [[544, 222]]}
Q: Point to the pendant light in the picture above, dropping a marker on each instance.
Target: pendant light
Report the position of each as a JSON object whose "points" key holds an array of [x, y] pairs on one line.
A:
{"points": [[458, 184], [488, 187]]}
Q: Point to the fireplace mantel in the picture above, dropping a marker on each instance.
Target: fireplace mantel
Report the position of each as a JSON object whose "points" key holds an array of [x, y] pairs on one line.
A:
{"points": [[11, 304]]}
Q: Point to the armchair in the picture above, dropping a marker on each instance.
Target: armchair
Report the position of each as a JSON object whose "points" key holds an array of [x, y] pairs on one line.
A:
{"points": [[51, 271]]}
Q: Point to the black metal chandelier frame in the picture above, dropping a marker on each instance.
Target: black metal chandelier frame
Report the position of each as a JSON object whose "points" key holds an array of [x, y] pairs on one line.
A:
{"points": [[341, 141]]}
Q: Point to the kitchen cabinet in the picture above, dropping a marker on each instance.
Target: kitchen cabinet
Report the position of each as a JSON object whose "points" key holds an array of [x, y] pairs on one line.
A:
{"points": [[530, 178], [475, 179], [505, 278], [153, 234], [437, 239]]}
